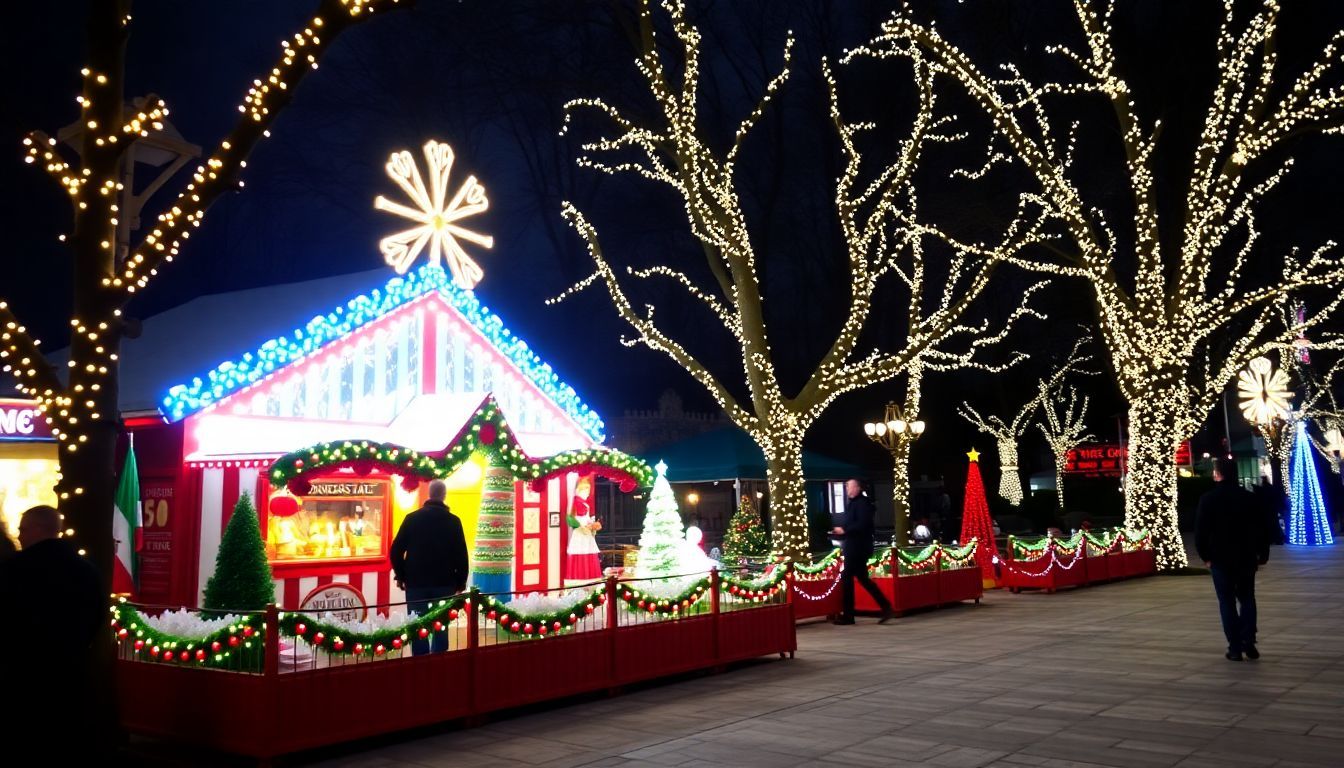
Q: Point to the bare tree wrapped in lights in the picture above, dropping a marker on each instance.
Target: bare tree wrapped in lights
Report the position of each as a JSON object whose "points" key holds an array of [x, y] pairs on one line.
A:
{"points": [[1065, 426], [1007, 434], [82, 406], [1192, 313], [881, 237]]}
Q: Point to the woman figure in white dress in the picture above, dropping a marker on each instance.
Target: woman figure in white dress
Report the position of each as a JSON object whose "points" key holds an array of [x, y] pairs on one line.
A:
{"points": [[583, 561]]}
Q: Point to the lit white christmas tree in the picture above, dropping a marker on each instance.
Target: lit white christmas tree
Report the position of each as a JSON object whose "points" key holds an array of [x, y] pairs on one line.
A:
{"points": [[660, 543]]}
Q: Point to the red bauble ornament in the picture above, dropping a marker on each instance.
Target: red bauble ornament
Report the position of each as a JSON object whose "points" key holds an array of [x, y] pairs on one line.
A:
{"points": [[338, 644], [527, 629], [555, 626], [651, 608], [489, 434], [359, 648], [233, 641], [452, 616], [379, 650], [318, 638], [300, 629], [283, 505], [542, 629], [396, 642], [362, 467], [492, 616], [139, 645], [438, 626], [247, 631], [121, 633], [587, 609], [184, 656], [424, 633], [409, 483], [200, 655], [514, 626], [167, 655], [505, 619], [299, 486]]}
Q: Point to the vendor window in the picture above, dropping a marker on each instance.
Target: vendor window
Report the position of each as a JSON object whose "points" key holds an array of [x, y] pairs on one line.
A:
{"points": [[337, 520]]}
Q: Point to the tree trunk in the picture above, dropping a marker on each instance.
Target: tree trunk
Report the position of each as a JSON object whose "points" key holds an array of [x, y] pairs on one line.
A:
{"points": [[788, 500], [900, 490], [1150, 481], [1010, 480], [1059, 480]]}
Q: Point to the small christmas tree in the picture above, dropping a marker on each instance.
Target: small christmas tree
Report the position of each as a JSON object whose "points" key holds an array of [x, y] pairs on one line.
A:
{"points": [[745, 536], [975, 521], [663, 534], [242, 579]]}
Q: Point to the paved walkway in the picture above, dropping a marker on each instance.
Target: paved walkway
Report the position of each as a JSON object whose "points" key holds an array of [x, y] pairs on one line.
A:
{"points": [[1127, 674]]}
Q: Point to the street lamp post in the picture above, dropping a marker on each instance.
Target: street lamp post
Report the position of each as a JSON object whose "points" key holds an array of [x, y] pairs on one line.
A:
{"points": [[895, 433]]}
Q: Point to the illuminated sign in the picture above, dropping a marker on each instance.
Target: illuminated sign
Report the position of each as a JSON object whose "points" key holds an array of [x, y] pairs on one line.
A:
{"points": [[325, 488], [1107, 460], [21, 420], [341, 601]]}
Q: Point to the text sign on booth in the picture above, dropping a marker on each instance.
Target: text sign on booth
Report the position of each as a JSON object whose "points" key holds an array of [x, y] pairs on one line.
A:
{"points": [[21, 420], [340, 600], [1107, 460]]}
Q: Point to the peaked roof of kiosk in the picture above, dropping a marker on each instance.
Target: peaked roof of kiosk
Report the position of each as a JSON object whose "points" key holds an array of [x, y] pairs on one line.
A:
{"points": [[486, 430], [729, 453], [230, 376]]}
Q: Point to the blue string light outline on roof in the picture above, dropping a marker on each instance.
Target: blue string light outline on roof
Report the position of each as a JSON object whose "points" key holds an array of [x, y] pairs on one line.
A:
{"points": [[231, 376]]}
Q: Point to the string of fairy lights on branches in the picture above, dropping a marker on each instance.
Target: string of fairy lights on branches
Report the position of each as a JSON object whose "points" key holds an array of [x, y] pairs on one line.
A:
{"points": [[1193, 314], [94, 184], [1006, 434], [883, 238]]}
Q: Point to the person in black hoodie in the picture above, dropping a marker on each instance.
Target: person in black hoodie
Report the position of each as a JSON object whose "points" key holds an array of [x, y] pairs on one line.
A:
{"points": [[1230, 536], [429, 560], [854, 528]]}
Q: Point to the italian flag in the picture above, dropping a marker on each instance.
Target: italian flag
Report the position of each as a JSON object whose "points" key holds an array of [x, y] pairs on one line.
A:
{"points": [[126, 525]]}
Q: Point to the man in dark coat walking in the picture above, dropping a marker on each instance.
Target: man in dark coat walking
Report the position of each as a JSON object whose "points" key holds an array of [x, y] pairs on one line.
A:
{"points": [[429, 560], [1230, 536], [854, 527]]}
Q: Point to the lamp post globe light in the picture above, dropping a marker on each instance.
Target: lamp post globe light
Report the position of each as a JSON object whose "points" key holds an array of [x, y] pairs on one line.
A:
{"points": [[896, 432]]}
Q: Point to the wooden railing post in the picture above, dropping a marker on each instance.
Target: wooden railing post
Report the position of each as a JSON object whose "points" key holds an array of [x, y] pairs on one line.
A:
{"points": [[271, 641], [611, 616], [714, 595]]}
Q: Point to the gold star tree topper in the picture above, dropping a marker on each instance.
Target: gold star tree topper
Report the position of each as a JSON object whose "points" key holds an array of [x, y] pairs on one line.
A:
{"points": [[973, 455], [436, 220]]}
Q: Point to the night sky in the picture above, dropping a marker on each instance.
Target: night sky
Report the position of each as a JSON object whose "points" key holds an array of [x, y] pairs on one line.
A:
{"points": [[490, 78]]}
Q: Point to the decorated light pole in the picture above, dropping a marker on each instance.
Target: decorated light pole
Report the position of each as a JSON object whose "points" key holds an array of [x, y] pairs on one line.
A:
{"points": [[1265, 402], [895, 433]]}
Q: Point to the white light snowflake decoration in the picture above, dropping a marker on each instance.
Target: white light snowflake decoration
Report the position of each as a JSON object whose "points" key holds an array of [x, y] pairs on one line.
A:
{"points": [[436, 220], [1264, 392]]}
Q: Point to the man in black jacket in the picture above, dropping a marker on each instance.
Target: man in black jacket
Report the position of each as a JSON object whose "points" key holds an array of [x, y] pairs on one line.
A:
{"points": [[429, 560], [1231, 539], [854, 527], [51, 590]]}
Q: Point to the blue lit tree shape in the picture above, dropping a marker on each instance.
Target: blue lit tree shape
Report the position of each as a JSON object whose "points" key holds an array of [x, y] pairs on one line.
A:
{"points": [[1307, 521]]}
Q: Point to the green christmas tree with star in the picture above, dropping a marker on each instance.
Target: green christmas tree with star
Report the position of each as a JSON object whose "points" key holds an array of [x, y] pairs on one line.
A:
{"points": [[746, 537]]}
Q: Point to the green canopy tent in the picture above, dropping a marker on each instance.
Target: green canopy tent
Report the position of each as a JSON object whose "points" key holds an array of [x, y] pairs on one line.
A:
{"points": [[730, 455]]}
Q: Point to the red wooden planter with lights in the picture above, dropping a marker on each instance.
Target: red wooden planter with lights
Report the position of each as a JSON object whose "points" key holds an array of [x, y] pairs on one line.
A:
{"points": [[275, 713], [936, 587], [1051, 573]]}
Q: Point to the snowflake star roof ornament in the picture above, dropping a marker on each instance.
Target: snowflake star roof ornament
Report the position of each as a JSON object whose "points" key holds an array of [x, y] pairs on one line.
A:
{"points": [[1264, 392], [435, 214]]}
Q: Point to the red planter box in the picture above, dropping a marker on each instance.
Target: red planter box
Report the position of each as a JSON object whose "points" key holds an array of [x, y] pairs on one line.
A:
{"points": [[274, 713]]}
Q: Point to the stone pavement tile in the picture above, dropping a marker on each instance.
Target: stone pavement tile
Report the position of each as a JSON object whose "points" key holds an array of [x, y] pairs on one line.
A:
{"points": [[1328, 731], [966, 757], [850, 757]]}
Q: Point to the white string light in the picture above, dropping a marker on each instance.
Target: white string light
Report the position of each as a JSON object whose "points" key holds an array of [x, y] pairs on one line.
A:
{"points": [[1184, 328]]}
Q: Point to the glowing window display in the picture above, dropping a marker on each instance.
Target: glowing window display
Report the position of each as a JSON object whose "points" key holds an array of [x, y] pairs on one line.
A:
{"points": [[339, 519]]}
